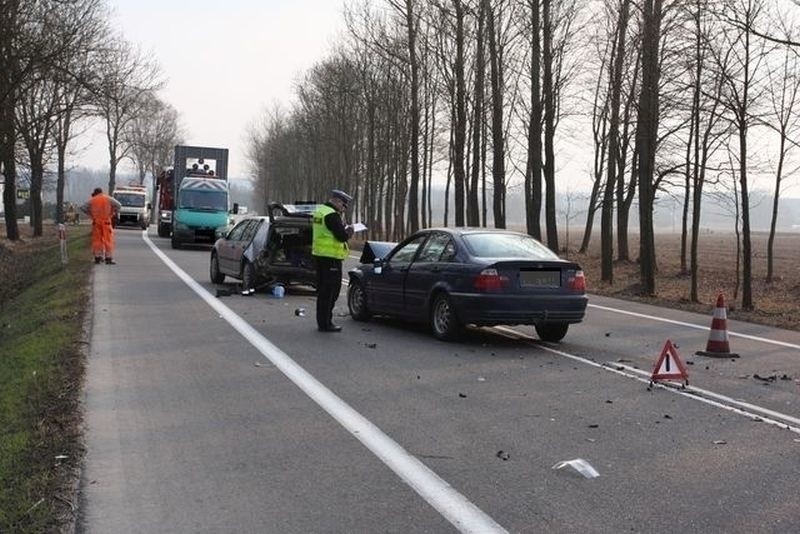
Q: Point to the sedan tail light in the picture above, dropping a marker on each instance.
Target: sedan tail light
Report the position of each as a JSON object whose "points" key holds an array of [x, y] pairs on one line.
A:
{"points": [[577, 282], [490, 280]]}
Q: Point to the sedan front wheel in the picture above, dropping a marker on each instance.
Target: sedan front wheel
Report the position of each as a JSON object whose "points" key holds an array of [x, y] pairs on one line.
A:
{"points": [[357, 301], [217, 277], [444, 322]]}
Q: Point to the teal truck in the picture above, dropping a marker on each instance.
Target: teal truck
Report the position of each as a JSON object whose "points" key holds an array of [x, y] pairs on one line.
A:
{"points": [[197, 196]]}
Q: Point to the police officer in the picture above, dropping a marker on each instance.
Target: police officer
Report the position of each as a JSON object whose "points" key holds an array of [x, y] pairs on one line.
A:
{"points": [[329, 248]]}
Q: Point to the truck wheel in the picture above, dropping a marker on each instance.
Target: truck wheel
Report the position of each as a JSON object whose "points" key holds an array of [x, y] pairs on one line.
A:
{"points": [[144, 225], [163, 230], [217, 277], [175, 242]]}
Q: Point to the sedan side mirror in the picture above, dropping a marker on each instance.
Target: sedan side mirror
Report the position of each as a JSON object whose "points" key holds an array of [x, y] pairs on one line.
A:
{"points": [[377, 265]]}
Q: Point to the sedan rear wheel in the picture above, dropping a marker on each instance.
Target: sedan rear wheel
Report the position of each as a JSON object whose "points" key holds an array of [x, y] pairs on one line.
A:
{"points": [[217, 277], [444, 323], [357, 302], [552, 331]]}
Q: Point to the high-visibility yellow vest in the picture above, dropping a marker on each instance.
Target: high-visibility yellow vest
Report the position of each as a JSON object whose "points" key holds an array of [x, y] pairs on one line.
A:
{"points": [[324, 243]]}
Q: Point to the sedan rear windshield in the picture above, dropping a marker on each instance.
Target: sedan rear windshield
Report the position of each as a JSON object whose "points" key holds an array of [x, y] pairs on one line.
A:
{"points": [[495, 245]]}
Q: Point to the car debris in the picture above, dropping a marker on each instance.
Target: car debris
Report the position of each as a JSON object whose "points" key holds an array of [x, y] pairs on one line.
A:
{"points": [[503, 455]]}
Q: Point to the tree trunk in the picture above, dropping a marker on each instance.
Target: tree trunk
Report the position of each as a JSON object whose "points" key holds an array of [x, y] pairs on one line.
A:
{"points": [[533, 174], [646, 136], [498, 142], [473, 208], [459, 173], [775, 201], [607, 213], [37, 177], [413, 193], [548, 90], [747, 261]]}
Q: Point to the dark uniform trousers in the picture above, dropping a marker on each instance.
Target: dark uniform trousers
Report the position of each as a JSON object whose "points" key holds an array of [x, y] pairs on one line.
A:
{"points": [[329, 284]]}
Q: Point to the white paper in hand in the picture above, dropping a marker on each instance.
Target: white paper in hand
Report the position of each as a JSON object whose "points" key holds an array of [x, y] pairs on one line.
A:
{"points": [[358, 227]]}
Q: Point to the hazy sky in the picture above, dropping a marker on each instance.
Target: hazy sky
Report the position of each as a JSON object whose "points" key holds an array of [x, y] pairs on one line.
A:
{"points": [[226, 61]]}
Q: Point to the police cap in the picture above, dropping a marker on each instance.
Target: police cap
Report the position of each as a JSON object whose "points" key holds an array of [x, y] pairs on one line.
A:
{"points": [[341, 195]]}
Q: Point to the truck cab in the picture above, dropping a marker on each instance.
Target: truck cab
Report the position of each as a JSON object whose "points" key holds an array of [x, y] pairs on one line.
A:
{"points": [[201, 207], [135, 210]]}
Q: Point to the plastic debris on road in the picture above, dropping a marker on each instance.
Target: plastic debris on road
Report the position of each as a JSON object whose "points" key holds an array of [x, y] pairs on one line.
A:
{"points": [[300, 312], [278, 291], [580, 465]]}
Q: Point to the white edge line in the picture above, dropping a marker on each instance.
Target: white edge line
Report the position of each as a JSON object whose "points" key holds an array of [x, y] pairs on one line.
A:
{"points": [[690, 325], [761, 414], [456, 508]]}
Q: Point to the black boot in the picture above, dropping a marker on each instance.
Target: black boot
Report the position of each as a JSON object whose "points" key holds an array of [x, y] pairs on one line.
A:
{"points": [[110, 261], [98, 259]]}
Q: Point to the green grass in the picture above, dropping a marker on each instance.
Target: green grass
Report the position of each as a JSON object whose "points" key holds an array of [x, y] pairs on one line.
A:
{"points": [[41, 371]]}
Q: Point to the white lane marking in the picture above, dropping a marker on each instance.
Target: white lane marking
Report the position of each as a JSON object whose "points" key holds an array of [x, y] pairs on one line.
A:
{"points": [[752, 411], [698, 327], [456, 508]]}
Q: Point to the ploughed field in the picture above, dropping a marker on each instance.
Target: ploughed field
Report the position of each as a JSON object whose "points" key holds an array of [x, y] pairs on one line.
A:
{"points": [[776, 304]]}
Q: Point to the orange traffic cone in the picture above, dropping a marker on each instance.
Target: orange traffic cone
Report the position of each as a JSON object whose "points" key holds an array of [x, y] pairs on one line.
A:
{"points": [[718, 345]]}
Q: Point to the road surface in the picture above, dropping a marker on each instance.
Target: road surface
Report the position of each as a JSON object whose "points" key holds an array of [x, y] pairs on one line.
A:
{"points": [[234, 414]]}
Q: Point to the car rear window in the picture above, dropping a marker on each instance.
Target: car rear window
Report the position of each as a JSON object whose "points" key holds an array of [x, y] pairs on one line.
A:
{"points": [[495, 245]]}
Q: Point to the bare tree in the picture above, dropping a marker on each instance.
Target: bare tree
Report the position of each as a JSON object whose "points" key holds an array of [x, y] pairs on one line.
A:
{"points": [[126, 76], [151, 136], [784, 90], [741, 76], [26, 58]]}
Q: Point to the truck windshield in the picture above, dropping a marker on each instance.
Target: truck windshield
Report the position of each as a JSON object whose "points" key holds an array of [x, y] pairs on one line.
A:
{"points": [[204, 200], [130, 199]]}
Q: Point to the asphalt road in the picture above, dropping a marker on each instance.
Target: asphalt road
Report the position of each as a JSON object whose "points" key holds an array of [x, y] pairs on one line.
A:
{"points": [[234, 414]]}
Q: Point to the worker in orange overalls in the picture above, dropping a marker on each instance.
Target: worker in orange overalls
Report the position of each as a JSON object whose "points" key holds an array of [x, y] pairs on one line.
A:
{"points": [[102, 209]]}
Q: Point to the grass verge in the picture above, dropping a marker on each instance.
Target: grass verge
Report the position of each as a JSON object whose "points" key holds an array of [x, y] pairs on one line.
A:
{"points": [[41, 372]]}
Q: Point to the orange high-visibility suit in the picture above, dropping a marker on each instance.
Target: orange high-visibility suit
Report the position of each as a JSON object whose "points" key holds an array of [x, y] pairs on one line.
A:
{"points": [[101, 209]]}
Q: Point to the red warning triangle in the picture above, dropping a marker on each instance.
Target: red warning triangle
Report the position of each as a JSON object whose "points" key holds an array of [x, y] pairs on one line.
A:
{"points": [[669, 365]]}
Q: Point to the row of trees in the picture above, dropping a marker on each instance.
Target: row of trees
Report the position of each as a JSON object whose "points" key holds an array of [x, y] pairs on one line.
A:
{"points": [[61, 68], [484, 92]]}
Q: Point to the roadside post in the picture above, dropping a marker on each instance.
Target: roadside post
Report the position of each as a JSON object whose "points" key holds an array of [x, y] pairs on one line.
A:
{"points": [[62, 242]]}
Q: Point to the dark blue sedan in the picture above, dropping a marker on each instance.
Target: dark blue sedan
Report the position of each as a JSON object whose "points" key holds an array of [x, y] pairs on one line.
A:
{"points": [[451, 277]]}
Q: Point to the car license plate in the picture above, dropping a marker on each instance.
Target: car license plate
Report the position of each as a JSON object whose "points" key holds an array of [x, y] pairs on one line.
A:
{"points": [[540, 278]]}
